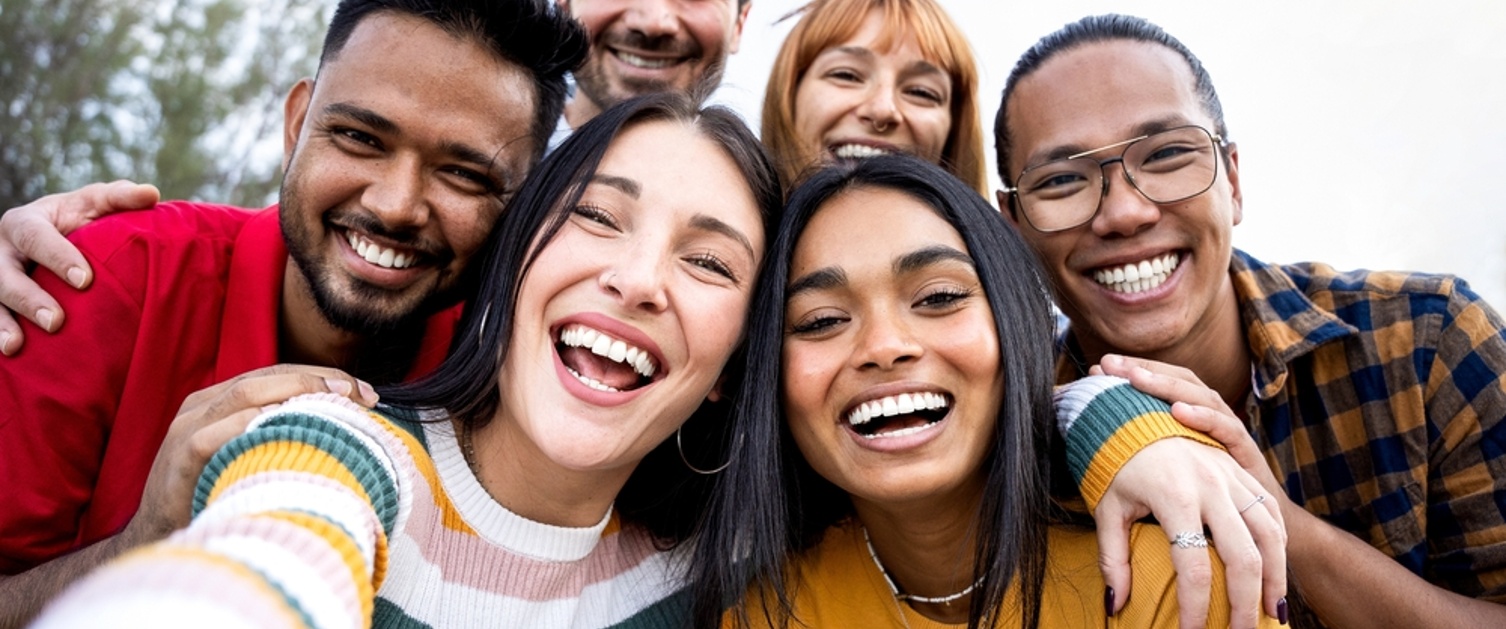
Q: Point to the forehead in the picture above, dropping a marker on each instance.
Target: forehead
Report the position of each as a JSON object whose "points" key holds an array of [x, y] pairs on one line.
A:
{"points": [[1097, 94], [870, 226], [680, 171], [433, 85]]}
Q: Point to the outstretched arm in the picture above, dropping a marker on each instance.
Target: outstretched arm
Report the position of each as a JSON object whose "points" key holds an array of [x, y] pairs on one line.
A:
{"points": [[1128, 468], [208, 419], [34, 232], [292, 523]]}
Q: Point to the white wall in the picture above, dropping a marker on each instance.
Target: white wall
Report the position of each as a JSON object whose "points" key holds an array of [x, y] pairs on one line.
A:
{"points": [[1371, 134]]}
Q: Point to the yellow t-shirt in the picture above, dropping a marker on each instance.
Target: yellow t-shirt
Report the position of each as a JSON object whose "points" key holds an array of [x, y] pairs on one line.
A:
{"points": [[837, 585]]}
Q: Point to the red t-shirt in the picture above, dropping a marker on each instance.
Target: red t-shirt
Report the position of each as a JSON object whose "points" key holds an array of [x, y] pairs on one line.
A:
{"points": [[184, 296]]}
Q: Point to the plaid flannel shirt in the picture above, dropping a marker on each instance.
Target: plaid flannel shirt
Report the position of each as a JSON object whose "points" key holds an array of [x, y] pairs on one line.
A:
{"points": [[1379, 401]]}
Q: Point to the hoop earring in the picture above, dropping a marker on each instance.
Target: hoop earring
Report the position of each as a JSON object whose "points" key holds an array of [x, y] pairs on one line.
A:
{"points": [[680, 446]]}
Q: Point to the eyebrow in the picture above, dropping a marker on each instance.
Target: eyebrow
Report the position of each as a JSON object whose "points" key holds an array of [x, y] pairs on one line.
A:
{"points": [[458, 150], [718, 226], [1070, 150], [629, 187], [918, 67], [935, 254], [834, 277]]}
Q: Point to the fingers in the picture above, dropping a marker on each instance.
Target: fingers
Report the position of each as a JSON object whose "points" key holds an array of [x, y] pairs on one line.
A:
{"points": [[1168, 382], [1113, 554], [276, 384], [1242, 559], [1193, 565]]}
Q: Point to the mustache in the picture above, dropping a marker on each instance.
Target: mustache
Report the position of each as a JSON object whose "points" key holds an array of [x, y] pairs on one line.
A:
{"points": [[664, 44]]}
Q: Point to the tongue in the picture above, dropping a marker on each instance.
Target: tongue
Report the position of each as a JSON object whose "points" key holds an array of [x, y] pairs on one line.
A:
{"points": [[599, 368]]}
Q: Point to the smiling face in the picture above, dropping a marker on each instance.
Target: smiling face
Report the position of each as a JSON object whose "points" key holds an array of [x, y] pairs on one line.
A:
{"points": [[645, 46], [1093, 96], [627, 317], [859, 99], [384, 202], [892, 380]]}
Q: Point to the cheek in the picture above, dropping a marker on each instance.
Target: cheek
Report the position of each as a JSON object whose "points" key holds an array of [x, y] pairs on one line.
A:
{"points": [[931, 133]]}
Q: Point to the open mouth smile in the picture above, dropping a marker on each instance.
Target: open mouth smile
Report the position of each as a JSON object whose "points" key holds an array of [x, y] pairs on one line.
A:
{"points": [[1137, 277], [380, 255], [647, 63], [603, 362], [898, 415]]}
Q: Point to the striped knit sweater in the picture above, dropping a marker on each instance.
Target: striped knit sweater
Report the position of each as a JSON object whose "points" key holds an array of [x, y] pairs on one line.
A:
{"points": [[1105, 422], [324, 514]]}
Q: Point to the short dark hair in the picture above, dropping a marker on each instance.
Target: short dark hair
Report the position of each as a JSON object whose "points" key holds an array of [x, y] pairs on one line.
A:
{"points": [[1094, 29], [533, 34], [785, 506], [662, 495]]}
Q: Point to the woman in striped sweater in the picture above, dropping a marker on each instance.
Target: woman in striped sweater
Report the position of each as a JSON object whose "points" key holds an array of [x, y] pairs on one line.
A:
{"points": [[536, 479]]}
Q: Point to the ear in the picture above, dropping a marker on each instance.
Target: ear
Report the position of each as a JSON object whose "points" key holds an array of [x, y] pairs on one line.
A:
{"points": [[564, 5], [1002, 198], [737, 27], [1234, 190], [294, 113], [715, 395]]}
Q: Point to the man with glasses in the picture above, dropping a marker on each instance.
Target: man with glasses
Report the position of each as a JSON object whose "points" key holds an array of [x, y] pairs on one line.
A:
{"points": [[1372, 403]]}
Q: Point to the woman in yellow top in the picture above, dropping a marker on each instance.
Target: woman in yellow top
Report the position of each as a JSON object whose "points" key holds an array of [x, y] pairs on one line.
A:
{"points": [[914, 367]]}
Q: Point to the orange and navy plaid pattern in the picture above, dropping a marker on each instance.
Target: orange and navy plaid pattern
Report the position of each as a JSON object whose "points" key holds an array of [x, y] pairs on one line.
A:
{"points": [[1379, 401]]}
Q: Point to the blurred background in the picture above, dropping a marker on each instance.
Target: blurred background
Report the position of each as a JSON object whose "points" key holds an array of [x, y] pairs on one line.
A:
{"points": [[1372, 134]]}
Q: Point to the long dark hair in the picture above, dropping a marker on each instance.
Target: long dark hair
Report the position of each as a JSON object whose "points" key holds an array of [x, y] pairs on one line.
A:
{"points": [[662, 495], [784, 506]]}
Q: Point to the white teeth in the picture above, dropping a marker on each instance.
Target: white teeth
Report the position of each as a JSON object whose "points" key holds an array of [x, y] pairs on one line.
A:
{"points": [[591, 383], [857, 151], [641, 62], [1138, 276], [612, 349], [901, 404], [381, 256]]}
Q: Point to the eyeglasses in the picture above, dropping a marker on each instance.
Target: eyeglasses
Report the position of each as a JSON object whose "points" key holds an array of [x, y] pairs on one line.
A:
{"points": [[1166, 167]]}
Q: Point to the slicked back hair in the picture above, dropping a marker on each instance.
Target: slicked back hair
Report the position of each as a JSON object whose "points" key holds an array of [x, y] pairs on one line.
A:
{"points": [[1096, 29], [662, 494], [532, 34], [785, 505]]}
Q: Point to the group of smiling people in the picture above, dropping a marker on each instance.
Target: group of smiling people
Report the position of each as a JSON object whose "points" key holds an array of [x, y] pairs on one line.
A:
{"points": [[807, 381]]}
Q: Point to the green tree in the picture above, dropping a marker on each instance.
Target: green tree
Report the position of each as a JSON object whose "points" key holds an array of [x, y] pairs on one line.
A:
{"points": [[185, 94]]}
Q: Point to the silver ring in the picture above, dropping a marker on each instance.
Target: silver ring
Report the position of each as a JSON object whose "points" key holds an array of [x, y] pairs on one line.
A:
{"points": [[1189, 539], [1258, 500]]}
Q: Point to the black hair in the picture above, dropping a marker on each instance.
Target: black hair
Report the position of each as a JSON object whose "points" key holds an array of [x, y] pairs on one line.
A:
{"points": [[662, 495], [1096, 29], [533, 34], [784, 506]]}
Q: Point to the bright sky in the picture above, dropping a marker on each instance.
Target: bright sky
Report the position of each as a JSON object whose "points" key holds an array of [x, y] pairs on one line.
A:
{"points": [[1372, 134]]}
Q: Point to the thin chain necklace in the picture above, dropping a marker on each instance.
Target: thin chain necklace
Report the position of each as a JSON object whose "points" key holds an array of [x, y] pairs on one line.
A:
{"points": [[899, 596], [468, 450]]}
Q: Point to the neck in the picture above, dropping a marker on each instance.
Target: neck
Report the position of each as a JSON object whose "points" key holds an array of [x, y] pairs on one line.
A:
{"points": [[1215, 351], [306, 337], [927, 547], [580, 110], [528, 484]]}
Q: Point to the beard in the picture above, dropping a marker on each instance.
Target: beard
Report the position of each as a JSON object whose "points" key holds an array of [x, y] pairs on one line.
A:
{"points": [[605, 89], [349, 303]]}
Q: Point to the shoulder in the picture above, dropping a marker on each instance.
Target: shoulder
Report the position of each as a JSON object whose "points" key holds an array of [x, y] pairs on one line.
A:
{"points": [[1348, 294]]}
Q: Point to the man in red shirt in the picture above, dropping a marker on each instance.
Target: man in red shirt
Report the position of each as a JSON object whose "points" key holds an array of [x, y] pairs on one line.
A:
{"points": [[398, 158]]}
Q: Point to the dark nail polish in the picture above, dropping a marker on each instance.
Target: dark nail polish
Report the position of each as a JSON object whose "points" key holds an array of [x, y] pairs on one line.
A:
{"points": [[1282, 614], [1108, 601]]}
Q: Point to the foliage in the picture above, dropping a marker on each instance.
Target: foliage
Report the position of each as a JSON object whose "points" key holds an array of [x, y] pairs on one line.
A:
{"points": [[185, 94]]}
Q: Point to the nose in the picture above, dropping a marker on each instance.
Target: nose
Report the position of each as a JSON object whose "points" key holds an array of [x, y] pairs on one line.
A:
{"points": [[886, 342], [396, 195], [1122, 210], [637, 282], [654, 18], [879, 110]]}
